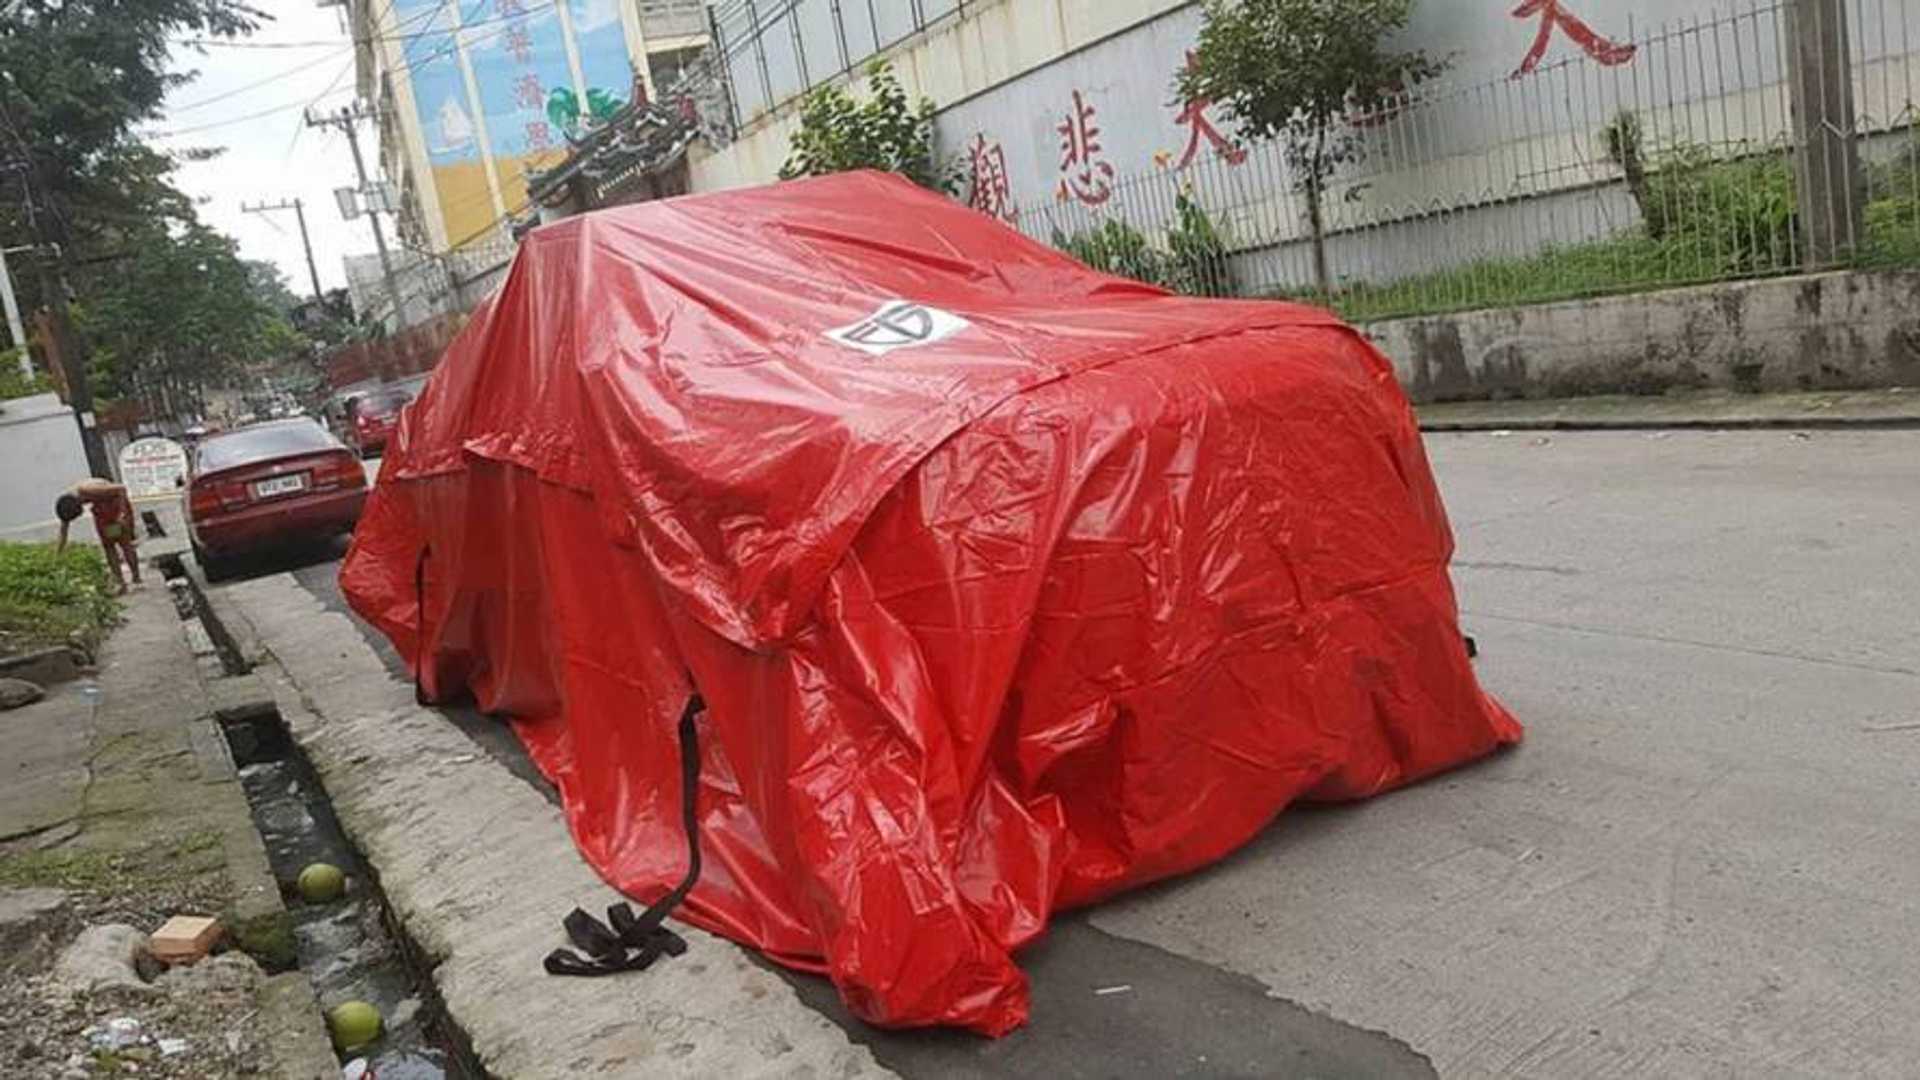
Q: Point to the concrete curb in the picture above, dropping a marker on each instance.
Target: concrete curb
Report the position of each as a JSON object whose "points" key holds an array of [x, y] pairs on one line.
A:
{"points": [[1827, 410], [1733, 423], [289, 1008], [478, 869]]}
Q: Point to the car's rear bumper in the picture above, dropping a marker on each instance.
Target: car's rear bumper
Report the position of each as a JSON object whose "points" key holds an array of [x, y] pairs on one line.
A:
{"points": [[307, 517]]}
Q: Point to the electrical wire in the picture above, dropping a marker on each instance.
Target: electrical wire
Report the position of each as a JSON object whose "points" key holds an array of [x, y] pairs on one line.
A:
{"points": [[256, 84], [219, 43], [444, 51]]}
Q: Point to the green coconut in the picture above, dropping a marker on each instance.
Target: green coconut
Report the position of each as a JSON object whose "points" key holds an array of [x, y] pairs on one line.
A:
{"points": [[354, 1024], [322, 883]]}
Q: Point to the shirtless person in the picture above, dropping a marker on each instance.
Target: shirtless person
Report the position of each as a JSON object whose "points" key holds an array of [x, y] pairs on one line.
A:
{"points": [[112, 519]]}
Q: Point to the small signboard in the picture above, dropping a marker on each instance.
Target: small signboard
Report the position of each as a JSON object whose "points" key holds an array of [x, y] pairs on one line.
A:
{"points": [[152, 467]]}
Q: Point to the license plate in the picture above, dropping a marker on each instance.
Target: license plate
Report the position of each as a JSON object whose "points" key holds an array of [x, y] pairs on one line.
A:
{"points": [[280, 485]]}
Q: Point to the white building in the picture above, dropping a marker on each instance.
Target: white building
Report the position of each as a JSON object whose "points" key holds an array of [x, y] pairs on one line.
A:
{"points": [[473, 93]]}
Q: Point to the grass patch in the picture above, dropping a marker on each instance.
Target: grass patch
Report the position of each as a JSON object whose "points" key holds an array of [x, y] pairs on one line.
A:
{"points": [[15, 385], [47, 598], [74, 869], [1632, 262], [268, 938], [1703, 220]]}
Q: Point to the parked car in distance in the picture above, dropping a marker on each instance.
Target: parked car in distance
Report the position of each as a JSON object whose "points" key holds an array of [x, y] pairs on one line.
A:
{"points": [[371, 415], [267, 485]]}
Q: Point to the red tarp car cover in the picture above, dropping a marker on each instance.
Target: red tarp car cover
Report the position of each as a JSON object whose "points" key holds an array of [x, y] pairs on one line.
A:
{"points": [[1008, 585]]}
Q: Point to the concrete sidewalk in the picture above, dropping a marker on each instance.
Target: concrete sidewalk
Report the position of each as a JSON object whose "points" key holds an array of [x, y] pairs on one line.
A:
{"points": [[118, 792], [1896, 408]]}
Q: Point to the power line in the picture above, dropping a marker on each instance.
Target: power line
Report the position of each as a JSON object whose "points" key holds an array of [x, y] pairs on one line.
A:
{"points": [[299, 128], [234, 120], [275, 77], [343, 49], [411, 36], [443, 51]]}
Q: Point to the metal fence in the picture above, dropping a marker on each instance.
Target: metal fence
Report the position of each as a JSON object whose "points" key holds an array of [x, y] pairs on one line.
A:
{"points": [[1667, 158], [775, 50]]}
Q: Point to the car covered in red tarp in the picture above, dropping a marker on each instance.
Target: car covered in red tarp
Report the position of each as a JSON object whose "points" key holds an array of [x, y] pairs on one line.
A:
{"points": [[1007, 585]]}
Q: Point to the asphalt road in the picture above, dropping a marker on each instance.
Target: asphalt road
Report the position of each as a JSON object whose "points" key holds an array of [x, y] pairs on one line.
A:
{"points": [[1701, 862]]}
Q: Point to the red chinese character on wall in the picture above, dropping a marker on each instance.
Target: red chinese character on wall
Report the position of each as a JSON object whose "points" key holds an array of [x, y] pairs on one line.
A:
{"points": [[519, 43], [1552, 14], [1085, 173], [1193, 117], [988, 190], [539, 136], [527, 92]]}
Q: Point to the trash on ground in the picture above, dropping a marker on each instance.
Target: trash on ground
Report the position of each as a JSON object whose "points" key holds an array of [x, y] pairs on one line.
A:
{"points": [[1105, 990], [116, 1034], [171, 1047]]}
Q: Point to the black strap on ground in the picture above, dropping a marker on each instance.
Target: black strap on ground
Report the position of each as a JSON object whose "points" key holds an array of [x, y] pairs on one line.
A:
{"points": [[626, 941], [420, 643]]}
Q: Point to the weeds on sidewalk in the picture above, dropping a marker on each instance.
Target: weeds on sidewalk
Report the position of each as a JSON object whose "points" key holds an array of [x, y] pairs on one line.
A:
{"points": [[49, 599]]}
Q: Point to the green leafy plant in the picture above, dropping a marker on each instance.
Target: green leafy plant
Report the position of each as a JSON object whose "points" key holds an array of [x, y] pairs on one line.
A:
{"points": [[839, 132], [46, 598], [1115, 247], [1193, 260], [1196, 252], [13, 384], [1293, 70]]}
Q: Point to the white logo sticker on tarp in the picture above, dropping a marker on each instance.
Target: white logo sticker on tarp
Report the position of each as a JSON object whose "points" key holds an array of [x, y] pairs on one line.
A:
{"points": [[898, 324]]}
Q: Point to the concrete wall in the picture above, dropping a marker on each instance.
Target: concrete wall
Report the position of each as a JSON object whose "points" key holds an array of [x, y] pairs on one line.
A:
{"points": [[960, 57], [1822, 331], [1061, 115], [40, 457]]}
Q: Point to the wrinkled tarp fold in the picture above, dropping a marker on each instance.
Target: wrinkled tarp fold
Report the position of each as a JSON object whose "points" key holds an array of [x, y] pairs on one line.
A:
{"points": [[1069, 600]]}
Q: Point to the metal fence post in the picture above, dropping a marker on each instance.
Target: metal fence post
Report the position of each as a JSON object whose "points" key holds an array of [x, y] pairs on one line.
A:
{"points": [[1826, 154]]}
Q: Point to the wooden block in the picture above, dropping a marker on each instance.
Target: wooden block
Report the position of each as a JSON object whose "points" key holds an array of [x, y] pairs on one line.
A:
{"points": [[184, 938]]}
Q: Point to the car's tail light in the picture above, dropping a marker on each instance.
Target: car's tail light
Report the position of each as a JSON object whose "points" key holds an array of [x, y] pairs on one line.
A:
{"points": [[343, 471], [208, 497], [203, 500]]}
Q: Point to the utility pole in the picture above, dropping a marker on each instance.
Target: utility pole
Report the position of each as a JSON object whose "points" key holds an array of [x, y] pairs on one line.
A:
{"points": [[300, 216], [53, 292], [64, 349], [1827, 158], [14, 326], [345, 120]]}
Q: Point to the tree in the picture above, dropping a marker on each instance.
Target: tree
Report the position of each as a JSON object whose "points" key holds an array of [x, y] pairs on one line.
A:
{"points": [[1292, 70], [838, 132], [76, 78], [178, 310]]}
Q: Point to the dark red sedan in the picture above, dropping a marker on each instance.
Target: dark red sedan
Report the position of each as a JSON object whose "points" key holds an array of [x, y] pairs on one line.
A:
{"points": [[266, 485], [371, 417]]}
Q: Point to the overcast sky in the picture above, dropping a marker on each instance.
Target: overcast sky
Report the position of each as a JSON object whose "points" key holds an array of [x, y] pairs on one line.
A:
{"points": [[273, 156]]}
